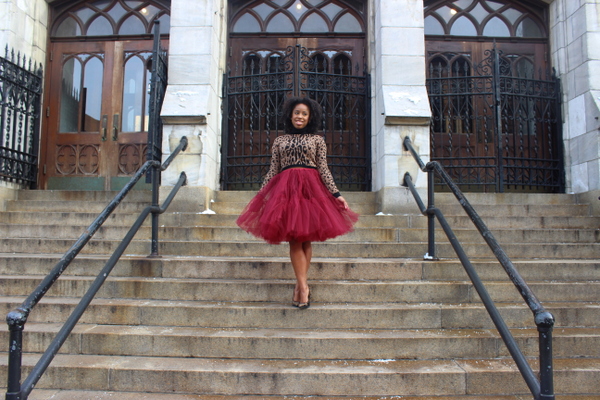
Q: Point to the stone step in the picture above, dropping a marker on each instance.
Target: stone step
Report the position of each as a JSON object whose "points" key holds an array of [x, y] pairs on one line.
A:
{"points": [[395, 221], [335, 249], [519, 210], [384, 377], [371, 234], [329, 291], [81, 195], [71, 206], [302, 344], [321, 268], [276, 315], [50, 394]]}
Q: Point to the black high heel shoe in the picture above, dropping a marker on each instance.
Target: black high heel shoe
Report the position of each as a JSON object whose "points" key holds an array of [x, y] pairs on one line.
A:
{"points": [[304, 306]]}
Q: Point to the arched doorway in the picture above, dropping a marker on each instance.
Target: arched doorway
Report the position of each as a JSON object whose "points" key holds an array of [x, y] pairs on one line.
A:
{"points": [[96, 95], [283, 48], [495, 103]]}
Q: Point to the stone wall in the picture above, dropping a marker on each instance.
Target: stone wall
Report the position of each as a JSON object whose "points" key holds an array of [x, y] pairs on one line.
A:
{"points": [[575, 44]]}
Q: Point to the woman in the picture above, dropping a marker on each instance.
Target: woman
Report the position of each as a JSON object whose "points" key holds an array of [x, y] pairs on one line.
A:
{"points": [[298, 202]]}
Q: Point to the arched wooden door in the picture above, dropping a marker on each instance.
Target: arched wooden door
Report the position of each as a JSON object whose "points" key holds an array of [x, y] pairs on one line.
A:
{"points": [[96, 96], [285, 48], [495, 103]]}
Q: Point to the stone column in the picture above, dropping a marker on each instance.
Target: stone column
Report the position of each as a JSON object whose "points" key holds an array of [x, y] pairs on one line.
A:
{"points": [[401, 102], [575, 44], [192, 102]]}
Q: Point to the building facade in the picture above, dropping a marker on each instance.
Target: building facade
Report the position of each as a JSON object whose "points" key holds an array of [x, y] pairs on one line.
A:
{"points": [[382, 70]]}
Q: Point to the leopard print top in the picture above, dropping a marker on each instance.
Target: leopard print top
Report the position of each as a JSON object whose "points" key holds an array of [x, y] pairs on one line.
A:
{"points": [[301, 150]]}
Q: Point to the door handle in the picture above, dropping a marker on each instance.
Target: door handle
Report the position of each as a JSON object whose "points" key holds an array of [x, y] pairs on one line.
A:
{"points": [[104, 125], [115, 128]]}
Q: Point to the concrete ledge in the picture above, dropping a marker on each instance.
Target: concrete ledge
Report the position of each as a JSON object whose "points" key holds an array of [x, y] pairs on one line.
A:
{"points": [[189, 199], [398, 200], [7, 193]]}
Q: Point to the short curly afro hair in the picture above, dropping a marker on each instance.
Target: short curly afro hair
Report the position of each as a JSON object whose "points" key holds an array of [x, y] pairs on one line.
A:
{"points": [[315, 114]]}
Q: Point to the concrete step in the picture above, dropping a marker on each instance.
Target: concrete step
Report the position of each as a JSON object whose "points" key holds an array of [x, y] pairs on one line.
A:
{"points": [[49, 394], [360, 234], [519, 210], [337, 249], [71, 206], [385, 377], [281, 314], [329, 291], [306, 344], [81, 195], [321, 268], [186, 219]]}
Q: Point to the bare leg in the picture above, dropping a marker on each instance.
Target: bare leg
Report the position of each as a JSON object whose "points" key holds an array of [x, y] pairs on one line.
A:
{"points": [[300, 255]]}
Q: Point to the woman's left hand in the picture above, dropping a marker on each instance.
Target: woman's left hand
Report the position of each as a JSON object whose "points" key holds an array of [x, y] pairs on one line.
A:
{"points": [[344, 202]]}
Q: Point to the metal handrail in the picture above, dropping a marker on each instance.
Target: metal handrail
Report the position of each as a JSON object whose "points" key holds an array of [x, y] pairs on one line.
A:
{"points": [[17, 318], [544, 320]]}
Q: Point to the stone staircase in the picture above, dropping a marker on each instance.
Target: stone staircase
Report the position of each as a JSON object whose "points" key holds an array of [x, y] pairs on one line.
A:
{"points": [[212, 319]]}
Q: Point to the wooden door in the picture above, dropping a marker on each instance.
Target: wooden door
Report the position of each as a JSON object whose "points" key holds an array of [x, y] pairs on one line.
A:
{"points": [[96, 114]]}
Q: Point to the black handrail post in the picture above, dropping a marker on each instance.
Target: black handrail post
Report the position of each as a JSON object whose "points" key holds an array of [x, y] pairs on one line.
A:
{"points": [[155, 211], [545, 322], [16, 324], [430, 217]]}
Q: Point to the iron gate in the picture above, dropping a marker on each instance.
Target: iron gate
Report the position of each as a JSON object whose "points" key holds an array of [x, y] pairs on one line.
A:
{"points": [[495, 127], [20, 99], [253, 97]]}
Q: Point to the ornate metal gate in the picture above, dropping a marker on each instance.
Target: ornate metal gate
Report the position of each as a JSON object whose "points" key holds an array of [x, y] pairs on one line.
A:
{"points": [[254, 94], [495, 127], [20, 97]]}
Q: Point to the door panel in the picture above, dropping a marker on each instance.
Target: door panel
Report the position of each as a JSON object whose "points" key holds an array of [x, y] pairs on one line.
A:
{"points": [[96, 109]]}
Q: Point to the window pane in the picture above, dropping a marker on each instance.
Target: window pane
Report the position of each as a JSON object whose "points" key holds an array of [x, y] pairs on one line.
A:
{"points": [[69, 97], [132, 26], [348, 23], [85, 14], [512, 15], [463, 27], [446, 13], [165, 24], [69, 27], [524, 68], [263, 10], [528, 28], [297, 10], [433, 26], [280, 23], [314, 23], [331, 10], [463, 3], [247, 23], [100, 27], [479, 13], [92, 94], [494, 4], [149, 12], [496, 27], [117, 12], [134, 92]]}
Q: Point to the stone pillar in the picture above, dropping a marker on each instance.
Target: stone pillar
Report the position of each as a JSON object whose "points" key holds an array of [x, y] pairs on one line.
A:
{"points": [[575, 44], [401, 103], [192, 105]]}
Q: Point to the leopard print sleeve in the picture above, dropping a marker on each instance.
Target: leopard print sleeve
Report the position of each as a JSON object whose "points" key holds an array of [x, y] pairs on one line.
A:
{"points": [[321, 160], [275, 162]]}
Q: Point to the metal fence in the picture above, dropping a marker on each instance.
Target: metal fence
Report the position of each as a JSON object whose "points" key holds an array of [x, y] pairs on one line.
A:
{"points": [[20, 101]]}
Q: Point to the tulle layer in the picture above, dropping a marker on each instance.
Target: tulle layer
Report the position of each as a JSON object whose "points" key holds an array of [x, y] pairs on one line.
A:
{"points": [[296, 205]]}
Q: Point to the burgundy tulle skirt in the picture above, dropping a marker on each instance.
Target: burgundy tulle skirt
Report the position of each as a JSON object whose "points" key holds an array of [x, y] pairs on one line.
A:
{"points": [[296, 205]]}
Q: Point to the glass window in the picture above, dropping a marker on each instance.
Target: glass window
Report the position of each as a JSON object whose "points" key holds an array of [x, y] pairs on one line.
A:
{"points": [[100, 27], [347, 23], [495, 5], [524, 68], [463, 27], [69, 27], [149, 12], [134, 95], [314, 23], [247, 23], [331, 10], [117, 12], [528, 28], [132, 26], [70, 95], [446, 13], [92, 95], [433, 26], [479, 13], [280, 23], [263, 10], [512, 15], [165, 23], [463, 3], [85, 14], [496, 27], [297, 10], [342, 65]]}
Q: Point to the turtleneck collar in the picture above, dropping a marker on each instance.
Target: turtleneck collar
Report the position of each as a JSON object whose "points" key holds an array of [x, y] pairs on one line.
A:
{"points": [[296, 131]]}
